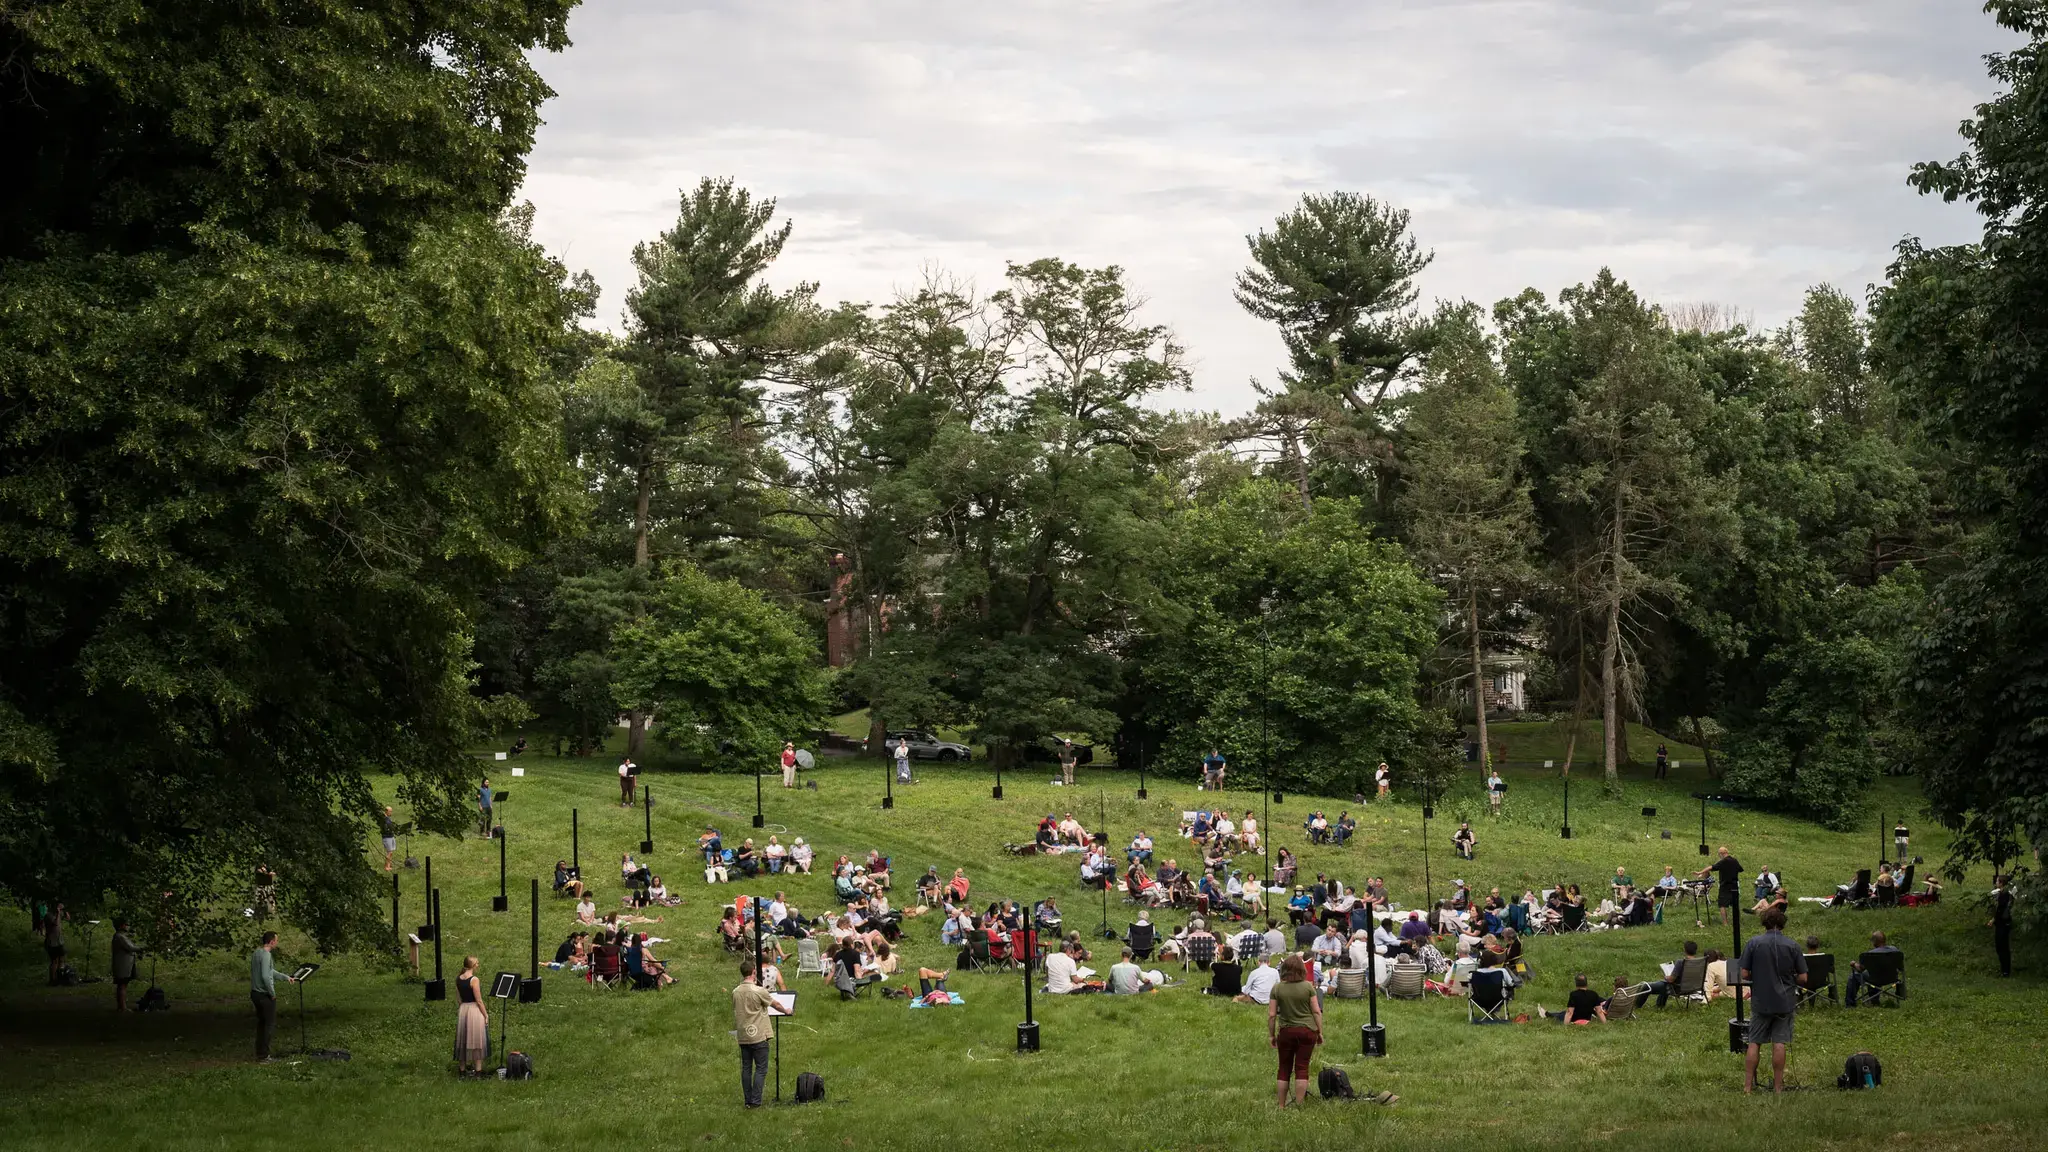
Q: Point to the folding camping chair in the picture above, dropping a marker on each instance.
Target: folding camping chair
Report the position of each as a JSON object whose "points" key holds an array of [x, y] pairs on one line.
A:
{"points": [[1820, 978], [808, 958], [978, 958], [1573, 919], [1884, 977], [1141, 940], [1488, 1001], [1689, 981], [1200, 953], [1350, 984], [1623, 1004]]}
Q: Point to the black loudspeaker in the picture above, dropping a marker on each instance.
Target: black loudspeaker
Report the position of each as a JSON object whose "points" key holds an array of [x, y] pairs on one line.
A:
{"points": [[437, 990], [529, 990], [1738, 1035], [646, 846], [1372, 1039], [1649, 811], [1027, 1037], [1428, 813], [425, 932], [499, 904]]}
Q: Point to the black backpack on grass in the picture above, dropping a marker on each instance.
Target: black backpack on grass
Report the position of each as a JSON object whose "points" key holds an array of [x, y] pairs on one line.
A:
{"points": [[1335, 1083], [1861, 1071], [810, 1087], [518, 1066]]}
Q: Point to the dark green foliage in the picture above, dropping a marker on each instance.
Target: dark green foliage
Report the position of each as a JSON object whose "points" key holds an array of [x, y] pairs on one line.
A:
{"points": [[729, 675], [1961, 330], [277, 371], [1295, 617]]}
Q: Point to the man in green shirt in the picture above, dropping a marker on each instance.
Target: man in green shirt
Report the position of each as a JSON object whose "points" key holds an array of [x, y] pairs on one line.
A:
{"points": [[263, 993], [753, 1028]]}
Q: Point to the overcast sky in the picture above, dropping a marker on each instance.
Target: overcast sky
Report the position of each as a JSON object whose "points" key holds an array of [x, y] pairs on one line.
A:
{"points": [[1729, 151]]}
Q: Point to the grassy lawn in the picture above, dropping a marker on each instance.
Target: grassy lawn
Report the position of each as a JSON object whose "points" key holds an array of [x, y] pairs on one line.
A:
{"points": [[1175, 1069]]}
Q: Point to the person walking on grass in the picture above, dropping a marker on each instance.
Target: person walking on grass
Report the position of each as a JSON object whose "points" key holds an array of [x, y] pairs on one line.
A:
{"points": [[1294, 1027], [753, 1029], [1775, 969], [788, 764], [263, 993], [389, 829], [903, 760]]}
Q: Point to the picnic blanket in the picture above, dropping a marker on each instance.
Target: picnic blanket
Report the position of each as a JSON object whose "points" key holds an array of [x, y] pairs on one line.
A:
{"points": [[952, 998]]}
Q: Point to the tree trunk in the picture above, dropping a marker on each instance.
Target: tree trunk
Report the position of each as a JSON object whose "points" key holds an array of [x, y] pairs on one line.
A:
{"points": [[1699, 736], [643, 527], [1571, 742], [1299, 457], [1610, 696], [1478, 678], [878, 734]]}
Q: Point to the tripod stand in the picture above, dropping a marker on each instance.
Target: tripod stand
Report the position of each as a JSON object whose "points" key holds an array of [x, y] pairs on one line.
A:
{"points": [[299, 979]]}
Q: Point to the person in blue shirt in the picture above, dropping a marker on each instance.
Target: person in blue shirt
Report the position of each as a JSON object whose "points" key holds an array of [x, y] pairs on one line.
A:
{"points": [[1212, 771], [483, 807]]}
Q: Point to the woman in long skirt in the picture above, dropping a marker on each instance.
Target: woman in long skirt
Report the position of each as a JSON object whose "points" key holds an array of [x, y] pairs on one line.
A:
{"points": [[472, 1022]]}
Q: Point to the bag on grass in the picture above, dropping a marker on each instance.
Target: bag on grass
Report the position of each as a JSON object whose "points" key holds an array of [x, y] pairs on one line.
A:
{"points": [[518, 1066], [1860, 1071], [809, 1087], [153, 1001], [1335, 1084]]}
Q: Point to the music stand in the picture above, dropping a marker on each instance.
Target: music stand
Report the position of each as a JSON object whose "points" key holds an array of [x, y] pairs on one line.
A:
{"points": [[781, 1004], [505, 990], [299, 978], [86, 977]]}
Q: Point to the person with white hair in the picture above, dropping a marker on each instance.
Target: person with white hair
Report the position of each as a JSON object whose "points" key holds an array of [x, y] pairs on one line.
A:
{"points": [[800, 855]]}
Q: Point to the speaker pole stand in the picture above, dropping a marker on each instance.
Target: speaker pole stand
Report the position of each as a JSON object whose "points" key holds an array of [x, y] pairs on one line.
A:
{"points": [[775, 1022]]}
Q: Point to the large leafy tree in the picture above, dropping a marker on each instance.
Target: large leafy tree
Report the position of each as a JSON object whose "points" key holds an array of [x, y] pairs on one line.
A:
{"points": [[279, 377], [1609, 405], [1466, 511], [732, 674], [1961, 329], [1336, 274], [1287, 635]]}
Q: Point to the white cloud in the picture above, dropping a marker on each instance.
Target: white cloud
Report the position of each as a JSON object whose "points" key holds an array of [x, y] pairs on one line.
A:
{"points": [[1731, 151]]}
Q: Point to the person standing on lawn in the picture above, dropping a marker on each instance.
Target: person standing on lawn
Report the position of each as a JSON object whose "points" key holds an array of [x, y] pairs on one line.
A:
{"points": [[2001, 922], [626, 781], [1729, 869], [753, 1029], [389, 828], [1774, 968], [483, 807], [1067, 763], [903, 760], [1294, 1027], [124, 956], [788, 764], [263, 993]]}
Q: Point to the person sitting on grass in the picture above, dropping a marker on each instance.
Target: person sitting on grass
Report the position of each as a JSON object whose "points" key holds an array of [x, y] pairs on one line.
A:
{"points": [[730, 929], [878, 869], [657, 893], [1226, 975], [958, 889], [1329, 948], [1464, 841], [573, 953], [586, 910], [1583, 1006], [1718, 983], [1258, 987], [1248, 832], [1062, 972], [1071, 831], [1126, 978], [640, 959], [709, 844], [1140, 851]]}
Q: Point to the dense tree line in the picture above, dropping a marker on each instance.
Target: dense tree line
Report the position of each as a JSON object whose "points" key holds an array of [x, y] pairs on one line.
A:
{"points": [[315, 469]]}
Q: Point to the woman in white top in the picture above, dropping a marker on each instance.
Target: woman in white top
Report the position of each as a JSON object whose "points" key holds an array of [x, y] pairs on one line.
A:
{"points": [[800, 855], [586, 910], [1248, 833]]}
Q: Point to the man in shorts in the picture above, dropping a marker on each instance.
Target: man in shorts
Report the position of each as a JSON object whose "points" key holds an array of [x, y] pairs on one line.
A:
{"points": [[1774, 968], [1729, 870]]}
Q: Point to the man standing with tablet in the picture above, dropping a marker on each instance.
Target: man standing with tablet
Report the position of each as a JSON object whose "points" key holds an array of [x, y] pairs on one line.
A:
{"points": [[753, 1029]]}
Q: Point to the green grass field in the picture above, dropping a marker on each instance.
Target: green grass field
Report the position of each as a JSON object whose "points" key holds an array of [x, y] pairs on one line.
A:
{"points": [[1172, 1070]]}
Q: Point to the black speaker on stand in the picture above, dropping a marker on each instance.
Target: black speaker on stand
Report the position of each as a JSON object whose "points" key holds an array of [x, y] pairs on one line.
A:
{"points": [[529, 988]]}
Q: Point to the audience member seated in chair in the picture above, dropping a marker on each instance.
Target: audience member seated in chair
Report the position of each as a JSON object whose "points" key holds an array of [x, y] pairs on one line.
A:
{"points": [[566, 882], [1877, 975], [606, 968], [1140, 938], [1487, 999], [1687, 967], [642, 968], [849, 975], [1226, 975], [1464, 841]]}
